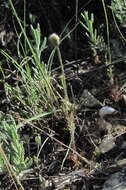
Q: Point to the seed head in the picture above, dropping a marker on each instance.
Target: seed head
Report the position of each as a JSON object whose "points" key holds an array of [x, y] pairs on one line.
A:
{"points": [[54, 39]]}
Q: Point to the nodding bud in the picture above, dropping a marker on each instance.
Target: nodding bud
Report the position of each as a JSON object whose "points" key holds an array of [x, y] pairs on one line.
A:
{"points": [[54, 39], [107, 110]]}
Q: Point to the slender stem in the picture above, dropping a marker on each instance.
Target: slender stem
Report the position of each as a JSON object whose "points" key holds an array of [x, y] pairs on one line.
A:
{"points": [[63, 73], [76, 19], [107, 29]]}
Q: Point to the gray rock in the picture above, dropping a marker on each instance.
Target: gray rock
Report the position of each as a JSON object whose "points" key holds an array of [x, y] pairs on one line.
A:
{"points": [[107, 144], [87, 99], [116, 181], [107, 110]]}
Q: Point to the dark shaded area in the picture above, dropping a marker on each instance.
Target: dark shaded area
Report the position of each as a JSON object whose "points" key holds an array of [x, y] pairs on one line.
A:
{"points": [[83, 71]]}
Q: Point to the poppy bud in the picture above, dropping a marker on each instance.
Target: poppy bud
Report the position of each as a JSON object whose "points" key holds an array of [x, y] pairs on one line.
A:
{"points": [[54, 39]]}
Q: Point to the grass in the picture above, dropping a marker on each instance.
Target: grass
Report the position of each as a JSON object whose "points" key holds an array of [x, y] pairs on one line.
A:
{"points": [[34, 93], [35, 96]]}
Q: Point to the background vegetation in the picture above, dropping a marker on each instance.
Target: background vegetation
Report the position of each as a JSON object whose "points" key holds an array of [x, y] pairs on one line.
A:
{"points": [[60, 63]]}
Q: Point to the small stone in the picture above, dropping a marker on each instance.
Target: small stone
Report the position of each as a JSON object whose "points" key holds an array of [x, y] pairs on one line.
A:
{"points": [[107, 110], [107, 144], [121, 163], [123, 146], [104, 125], [88, 100], [124, 98], [116, 181]]}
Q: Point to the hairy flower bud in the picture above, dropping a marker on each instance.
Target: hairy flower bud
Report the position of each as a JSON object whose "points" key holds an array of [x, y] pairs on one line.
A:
{"points": [[54, 39]]}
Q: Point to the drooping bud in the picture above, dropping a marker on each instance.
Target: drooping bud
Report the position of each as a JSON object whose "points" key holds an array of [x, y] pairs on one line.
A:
{"points": [[54, 39]]}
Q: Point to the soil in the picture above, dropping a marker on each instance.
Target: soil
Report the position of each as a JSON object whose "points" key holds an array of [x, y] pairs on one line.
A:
{"points": [[83, 71]]}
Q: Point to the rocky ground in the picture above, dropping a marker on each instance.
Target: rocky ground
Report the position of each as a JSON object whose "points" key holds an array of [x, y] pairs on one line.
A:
{"points": [[100, 139]]}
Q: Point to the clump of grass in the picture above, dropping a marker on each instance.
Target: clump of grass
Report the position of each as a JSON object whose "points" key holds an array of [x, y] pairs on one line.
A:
{"points": [[96, 41], [36, 90], [12, 153], [13, 146], [33, 93], [119, 9], [10, 170]]}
